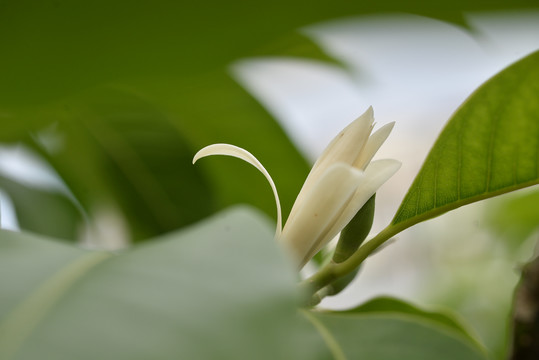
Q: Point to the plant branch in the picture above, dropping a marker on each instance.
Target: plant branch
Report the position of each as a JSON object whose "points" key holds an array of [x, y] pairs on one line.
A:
{"points": [[526, 315]]}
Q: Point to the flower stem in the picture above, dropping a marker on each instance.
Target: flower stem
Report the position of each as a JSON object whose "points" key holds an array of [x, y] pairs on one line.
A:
{"points": [[333, 270]]}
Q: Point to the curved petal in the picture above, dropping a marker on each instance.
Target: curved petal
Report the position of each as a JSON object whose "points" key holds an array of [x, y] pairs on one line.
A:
{"points": [[376, 174], [344, 148], [320, 208], [235, 151], [373, 144]]}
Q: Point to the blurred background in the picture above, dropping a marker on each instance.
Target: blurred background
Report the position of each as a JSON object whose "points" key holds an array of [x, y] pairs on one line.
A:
{"points": [[103, 105]]}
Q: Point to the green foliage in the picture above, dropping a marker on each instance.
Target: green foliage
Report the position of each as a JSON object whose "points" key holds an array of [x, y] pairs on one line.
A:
{"points": [[43, 212], [389, 305], [221, 290], [391, 329], [182, 296], [93, 66], [55, 48], [131, 146], [489, 147], [132, 90], [516, 218], [133, 156], [351, 237]]}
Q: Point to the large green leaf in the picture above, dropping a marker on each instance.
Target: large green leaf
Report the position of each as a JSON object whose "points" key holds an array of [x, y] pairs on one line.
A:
{"points": [[489, 147], [52, 49], [387, 329], [215, 109], [170, 58], [118, 148], [131, 146], [219, 290]]}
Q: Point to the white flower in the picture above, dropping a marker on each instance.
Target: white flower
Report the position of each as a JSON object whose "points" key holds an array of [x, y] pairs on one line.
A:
{"points": [[339, 184]]}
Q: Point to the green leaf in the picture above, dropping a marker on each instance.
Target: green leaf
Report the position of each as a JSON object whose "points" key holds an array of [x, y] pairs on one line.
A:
{"points": [[218, 290], [514, 219], [389, 305], [295, 45], [117, 148], [214, 109], [489, 147], [132, 146], [177, 54], [44, 212], [387, 329], [56, 48]]}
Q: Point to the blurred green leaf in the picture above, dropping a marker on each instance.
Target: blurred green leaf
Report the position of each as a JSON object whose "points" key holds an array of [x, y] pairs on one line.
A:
{"points": [[132, 146], [389, 305], [489, 147], [294, 45], [213, 108], [218, 290], [54, 48], [43, 212], [166, 60], [515, 218], [388, 329], [117, 147]]}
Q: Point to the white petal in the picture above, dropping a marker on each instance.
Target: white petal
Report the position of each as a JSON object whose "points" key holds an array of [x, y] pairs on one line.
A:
{"points": [[344, 148], [376, 174], [231, 150], [347, 145], [373, 144], [320, 208]]}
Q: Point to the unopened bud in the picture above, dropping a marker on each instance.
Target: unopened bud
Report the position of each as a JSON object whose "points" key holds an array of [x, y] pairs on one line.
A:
{"points": [[353, 234]]}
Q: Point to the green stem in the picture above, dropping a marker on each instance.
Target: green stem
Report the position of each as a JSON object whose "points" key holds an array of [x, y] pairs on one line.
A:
{"points": [[333, 271]]}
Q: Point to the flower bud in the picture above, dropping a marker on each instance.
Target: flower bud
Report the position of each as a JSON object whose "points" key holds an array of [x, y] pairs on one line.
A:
{"points": [[353, 234]]}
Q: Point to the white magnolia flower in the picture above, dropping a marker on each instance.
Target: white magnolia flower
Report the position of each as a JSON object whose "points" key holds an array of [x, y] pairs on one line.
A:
{"points": [[339, 184]]}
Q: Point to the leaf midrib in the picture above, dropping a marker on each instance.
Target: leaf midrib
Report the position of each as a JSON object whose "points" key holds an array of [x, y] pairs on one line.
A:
{"points": [[432, 213]]}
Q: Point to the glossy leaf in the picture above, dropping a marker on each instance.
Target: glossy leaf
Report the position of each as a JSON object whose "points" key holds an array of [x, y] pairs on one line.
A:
{"points": [[489, 147]]}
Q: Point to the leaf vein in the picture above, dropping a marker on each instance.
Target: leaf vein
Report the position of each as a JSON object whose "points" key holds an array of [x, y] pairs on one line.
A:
{"points": [[490, 155], [328, 337], [19, 324]]}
